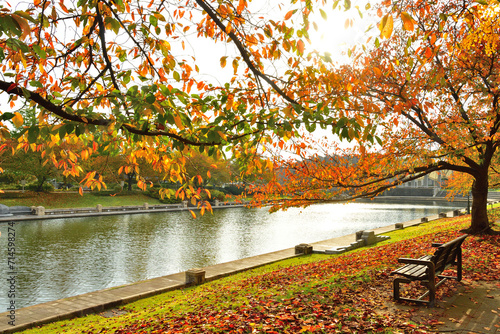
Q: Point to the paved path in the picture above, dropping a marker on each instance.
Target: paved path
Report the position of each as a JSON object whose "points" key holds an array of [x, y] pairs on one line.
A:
{"points": [[473, 309], [104, 299]]}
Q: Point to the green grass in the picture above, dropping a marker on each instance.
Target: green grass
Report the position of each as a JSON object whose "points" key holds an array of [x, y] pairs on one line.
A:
{"points": [[277, 283], [57, 200]]}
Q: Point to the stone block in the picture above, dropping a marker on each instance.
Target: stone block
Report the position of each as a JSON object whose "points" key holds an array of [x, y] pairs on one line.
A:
{"points": [[424, 220], [99, 207], [442, 215], [369, 237], [456, 213], [4, 209], [399, 226], [195, 276], [359, 234], [338, 250], [146, 206], [303, 249], [40, 211]]}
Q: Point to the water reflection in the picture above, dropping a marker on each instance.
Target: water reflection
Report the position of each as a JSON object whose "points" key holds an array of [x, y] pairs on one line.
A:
{"points": [[65, 257]]}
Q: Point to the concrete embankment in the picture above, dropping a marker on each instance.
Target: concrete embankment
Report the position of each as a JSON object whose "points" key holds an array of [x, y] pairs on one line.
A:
{"points": [[39, 213]]}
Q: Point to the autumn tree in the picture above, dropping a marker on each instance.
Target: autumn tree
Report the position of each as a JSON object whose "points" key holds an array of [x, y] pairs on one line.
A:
{"points": [[214, 171], [123, 69], [429, 89]]}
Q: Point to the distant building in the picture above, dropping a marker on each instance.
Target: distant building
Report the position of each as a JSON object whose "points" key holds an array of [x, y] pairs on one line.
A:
{"points": [[430, 185]]}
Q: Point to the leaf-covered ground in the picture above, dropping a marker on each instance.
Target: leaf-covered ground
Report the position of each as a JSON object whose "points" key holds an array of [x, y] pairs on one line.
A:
{"points": [[340, 294]]}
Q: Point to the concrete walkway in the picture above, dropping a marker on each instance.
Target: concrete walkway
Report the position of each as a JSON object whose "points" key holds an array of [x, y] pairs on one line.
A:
{"points": [[108, 298]]}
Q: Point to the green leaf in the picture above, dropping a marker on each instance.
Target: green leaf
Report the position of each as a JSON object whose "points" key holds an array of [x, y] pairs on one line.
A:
{"points": [[62, 131], [342, 122], [115, 25], [150, 98], [323, 14], [177, 76], [347, 4], [6, 116], [35, 83], [33, 133], [39, 51], [9, 24], [153, 20]]}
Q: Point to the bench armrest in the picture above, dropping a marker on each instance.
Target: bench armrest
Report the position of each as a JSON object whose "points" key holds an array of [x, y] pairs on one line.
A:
{"points": [[415, 261]]}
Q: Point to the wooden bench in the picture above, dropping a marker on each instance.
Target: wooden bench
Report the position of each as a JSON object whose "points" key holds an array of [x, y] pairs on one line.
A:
{"points": [[427, 268]]}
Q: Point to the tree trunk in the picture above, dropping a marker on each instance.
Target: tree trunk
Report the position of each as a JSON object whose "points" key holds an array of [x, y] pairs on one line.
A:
{"points": [[479, 214], [130, 179], [39, 186]]}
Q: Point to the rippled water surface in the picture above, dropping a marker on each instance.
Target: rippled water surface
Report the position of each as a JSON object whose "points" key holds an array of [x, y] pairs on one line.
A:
{"points": [[65, 257]]}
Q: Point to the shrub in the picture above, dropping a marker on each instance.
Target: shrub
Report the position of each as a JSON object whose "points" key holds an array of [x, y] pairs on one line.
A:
{"points": [[155, 193], [234, 189], [46, 187]]}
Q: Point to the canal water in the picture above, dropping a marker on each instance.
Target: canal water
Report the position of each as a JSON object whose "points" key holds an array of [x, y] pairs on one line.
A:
{"points": [[65, 257]]}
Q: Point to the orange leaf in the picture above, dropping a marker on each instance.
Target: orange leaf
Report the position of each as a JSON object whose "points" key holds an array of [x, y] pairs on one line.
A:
{"points": [[407, 21], [80, 191], [192, 214], [301, 46], [428, 52], [289, 14], [241, 6]]}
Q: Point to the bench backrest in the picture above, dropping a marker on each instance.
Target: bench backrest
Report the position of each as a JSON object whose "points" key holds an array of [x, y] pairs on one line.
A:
{"points": [[447, 253]]}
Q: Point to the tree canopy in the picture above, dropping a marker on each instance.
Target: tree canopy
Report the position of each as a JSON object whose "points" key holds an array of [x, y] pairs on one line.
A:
{"points": [[120, 76], [430, 88]]}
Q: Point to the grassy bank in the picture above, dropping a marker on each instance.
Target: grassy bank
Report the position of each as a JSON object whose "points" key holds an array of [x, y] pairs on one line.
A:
{"points": [[55, 200], [348, 293]]}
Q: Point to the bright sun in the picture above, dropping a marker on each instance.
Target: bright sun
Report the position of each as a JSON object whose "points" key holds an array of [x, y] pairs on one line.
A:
{"points": [[340, 31]]}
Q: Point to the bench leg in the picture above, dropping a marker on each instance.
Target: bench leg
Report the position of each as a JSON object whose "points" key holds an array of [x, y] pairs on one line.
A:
{"points": [[395, 286], [431, 286], [431, 292]]}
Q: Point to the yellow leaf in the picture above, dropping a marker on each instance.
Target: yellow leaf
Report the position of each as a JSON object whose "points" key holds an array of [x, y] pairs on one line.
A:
{"points": [[178, 122], [193, 214], [17, 120], [386, 26], [223, 62]]}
